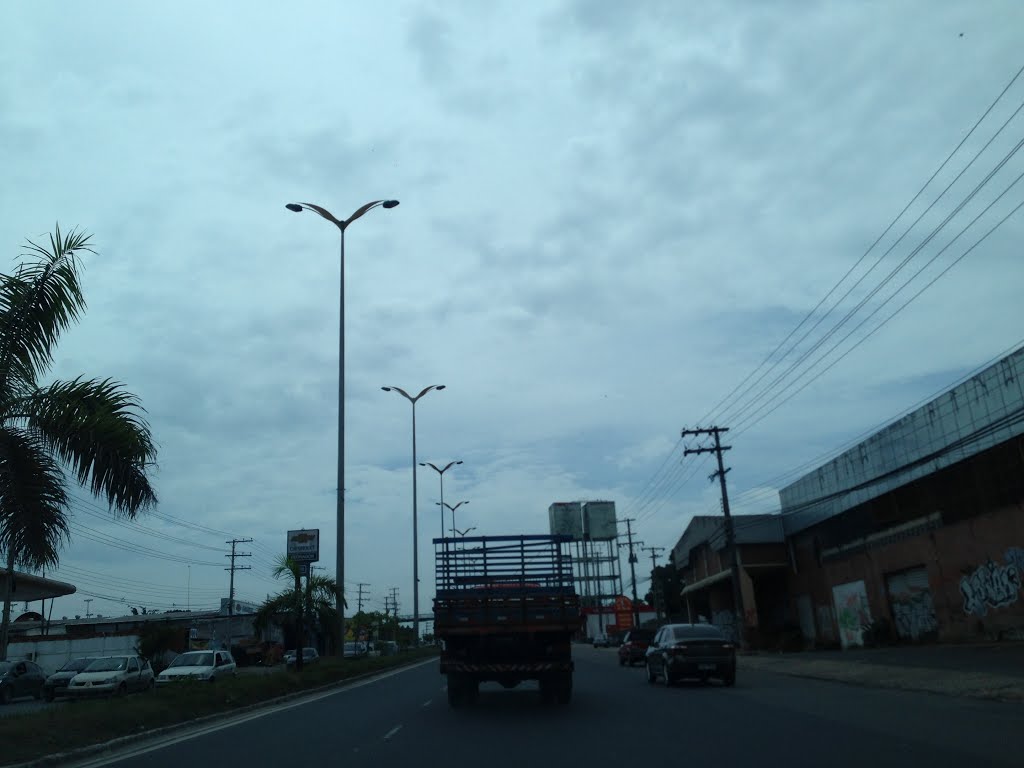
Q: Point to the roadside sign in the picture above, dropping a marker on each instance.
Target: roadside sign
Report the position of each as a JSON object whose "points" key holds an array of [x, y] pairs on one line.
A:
{"points": [[304, 569], [304, 545]]}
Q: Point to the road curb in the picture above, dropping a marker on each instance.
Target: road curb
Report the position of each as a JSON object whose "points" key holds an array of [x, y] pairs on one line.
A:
{"points": [[94, 750]]}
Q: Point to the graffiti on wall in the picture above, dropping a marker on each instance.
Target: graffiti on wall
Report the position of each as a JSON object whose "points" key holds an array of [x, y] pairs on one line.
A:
{"points": [[852, 612], [914, 615], [993, 585], [913, 612]]}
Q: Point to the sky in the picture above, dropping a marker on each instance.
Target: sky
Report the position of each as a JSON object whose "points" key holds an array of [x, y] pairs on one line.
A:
{"points": [[611, 214]]}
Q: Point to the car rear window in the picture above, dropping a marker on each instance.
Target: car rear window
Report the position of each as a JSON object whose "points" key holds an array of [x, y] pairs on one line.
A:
{"points": [[698, 632], [642, 636]]}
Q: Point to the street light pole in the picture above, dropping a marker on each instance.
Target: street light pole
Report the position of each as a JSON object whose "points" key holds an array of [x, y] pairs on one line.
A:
{"points": [[415, 529], [342, 225], [452, 510], [440, 473]]}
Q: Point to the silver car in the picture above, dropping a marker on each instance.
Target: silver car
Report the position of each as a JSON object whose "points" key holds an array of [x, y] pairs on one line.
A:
{"points": [[112, 676], [207, 666]]}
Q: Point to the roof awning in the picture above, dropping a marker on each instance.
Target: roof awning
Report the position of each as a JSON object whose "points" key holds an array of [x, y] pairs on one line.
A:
{"points": [[705, 583], [29, 588]]}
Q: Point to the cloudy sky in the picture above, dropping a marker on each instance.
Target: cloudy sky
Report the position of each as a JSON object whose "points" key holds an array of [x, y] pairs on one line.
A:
{"points": [[611, 214]]}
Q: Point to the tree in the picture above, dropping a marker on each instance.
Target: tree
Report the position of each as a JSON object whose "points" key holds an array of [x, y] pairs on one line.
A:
{"points": [[313, 603], [666, 579], [92, 428]]}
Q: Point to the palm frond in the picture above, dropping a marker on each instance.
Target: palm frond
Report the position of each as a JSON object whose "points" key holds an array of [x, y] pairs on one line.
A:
{"points": [[285, 566], [33, 500], [98, 429], [37, 303]]}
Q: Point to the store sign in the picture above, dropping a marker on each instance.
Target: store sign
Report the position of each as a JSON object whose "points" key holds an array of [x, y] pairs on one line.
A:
{"points": [[304, 545]]}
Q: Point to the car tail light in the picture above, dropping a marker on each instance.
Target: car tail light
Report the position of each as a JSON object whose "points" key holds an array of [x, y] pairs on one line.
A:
{"points": [[679, 649]]}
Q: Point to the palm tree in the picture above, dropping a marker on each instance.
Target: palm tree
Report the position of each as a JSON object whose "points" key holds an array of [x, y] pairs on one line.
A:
{"points": [[292, 607], [92, 428]]}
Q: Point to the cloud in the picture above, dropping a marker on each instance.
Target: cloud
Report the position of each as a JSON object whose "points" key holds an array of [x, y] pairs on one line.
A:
{"points": [[611, 214]]}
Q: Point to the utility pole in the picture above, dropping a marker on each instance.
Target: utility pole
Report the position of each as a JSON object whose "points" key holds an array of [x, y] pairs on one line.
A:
{"points": [[233, 568], [632, 568], [394, 610], [87, 601], [360, 598], [730, 532], [655, 583]]}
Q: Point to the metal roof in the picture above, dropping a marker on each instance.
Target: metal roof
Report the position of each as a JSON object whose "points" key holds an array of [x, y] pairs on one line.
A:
{"points": [[28, 588]]}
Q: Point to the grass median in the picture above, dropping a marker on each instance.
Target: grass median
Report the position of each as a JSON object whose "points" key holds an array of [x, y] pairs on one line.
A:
{"points": [[82, 723]]}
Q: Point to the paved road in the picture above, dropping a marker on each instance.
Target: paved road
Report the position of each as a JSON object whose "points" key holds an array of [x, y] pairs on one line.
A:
{"points": [[768, 719]]}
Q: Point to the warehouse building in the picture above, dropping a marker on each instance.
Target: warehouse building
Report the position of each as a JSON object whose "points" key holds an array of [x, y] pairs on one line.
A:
{"points": [[917, 533]]}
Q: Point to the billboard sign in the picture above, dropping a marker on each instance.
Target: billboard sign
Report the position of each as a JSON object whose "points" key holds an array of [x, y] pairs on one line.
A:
{"points": [[565, 519], [304, 545], [599, 520]]}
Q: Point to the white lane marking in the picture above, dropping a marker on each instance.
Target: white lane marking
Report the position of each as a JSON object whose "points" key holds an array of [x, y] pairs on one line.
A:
{"points": [[428, 702], [213, 728], [392, 732]]}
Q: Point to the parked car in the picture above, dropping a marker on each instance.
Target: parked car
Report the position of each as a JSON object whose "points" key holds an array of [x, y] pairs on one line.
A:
{"points": [[57, 683], [355, 650], [112, 676], [634, 646], [387, 647], [309, 656], [691, 650], [602, 641], [208, 666], [20, 678]]}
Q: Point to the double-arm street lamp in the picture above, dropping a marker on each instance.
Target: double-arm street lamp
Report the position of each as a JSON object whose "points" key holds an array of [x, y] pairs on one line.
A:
{"points": [[342, 225], [415, 530], [440, 473], [452, 510], [457, 532]]}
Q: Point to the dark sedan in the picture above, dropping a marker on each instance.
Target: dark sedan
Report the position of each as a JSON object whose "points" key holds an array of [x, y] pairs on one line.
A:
{"points": [[634, 646], [57, 683], [20, 678], [691, 650]]}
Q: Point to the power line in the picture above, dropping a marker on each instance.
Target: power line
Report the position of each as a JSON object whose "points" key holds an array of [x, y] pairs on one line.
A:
{"points": [[835, 287], [760, 491], [736, 413], [890, 317]]}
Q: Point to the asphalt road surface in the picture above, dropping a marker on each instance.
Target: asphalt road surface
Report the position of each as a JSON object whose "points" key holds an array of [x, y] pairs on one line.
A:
{"points": [[403, 719]]}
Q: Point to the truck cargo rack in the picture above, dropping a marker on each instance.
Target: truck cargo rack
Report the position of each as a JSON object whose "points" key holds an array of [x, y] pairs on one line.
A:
{"points": [[485, 583]]}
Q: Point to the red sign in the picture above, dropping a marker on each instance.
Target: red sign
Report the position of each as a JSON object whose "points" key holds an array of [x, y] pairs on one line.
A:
{"points": [[623, 612]]}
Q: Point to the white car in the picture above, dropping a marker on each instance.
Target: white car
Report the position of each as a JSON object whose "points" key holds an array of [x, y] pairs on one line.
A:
{"points": [[112, 676], [207, 666], [309, 656]]}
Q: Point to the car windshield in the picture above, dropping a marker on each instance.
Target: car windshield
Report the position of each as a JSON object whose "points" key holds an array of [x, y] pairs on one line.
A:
{"points": [[193, 660], [76, 665], [698, 632], [112, 664]]}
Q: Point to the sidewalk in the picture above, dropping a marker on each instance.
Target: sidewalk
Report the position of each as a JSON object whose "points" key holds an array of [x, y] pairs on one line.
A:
{"points": [[992, 671]]}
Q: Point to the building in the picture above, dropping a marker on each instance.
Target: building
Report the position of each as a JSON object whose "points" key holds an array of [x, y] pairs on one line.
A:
{"points": [[917, 532], [701, 557], [51, 643]]}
